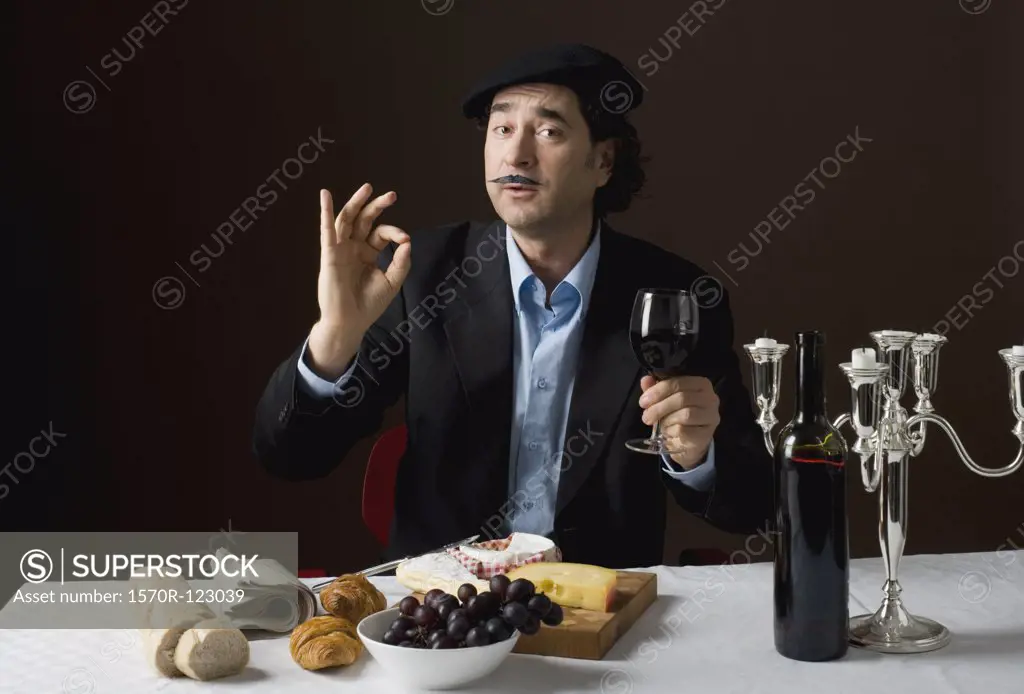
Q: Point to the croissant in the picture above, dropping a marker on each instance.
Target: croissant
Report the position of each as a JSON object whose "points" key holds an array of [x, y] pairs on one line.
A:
{"points": [[325, 641], [353, 597]]}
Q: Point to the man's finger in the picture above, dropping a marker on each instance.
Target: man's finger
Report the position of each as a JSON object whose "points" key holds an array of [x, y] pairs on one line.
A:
{"points": [[647, 382], [663, 410], [328, 235], [682, 438], [384, 234], [400, 265], [684, 433], [691, 417], [680, 384], [366, 255], [658, 409], [364, 222], [346, 220], [679, 401]]}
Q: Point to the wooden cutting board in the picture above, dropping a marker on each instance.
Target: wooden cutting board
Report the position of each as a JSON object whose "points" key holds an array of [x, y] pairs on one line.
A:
{"points": [[589, 635]]}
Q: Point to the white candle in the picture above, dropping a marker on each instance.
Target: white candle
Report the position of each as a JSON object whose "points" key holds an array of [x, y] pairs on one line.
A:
{"points": [[765, 342], [1018, 350], [863, 358]]}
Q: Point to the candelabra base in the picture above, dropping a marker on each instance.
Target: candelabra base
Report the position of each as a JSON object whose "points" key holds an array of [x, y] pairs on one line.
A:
{"points": [[894, 630]]}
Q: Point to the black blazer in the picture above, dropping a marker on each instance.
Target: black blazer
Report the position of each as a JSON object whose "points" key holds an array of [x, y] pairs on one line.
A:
{"points": [[445, 343]]}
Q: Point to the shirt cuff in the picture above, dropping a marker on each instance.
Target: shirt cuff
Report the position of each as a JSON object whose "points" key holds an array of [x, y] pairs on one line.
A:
{"points": [[314, 385], [700, 478]]}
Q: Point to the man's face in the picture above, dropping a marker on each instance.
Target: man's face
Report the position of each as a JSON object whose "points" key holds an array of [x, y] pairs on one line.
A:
{"points": [[540, 167]]}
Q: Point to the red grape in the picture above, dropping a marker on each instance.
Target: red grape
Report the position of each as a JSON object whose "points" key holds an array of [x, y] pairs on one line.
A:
{"points": [[458, 628], [425, 615], [519, 590], [487, 605], [499, 584], [402, 623], [498, 629], [554, 616], [531, 625], [445, 606], [466, 591], [408, 605], [445, 642], [432, 596], [539, 604], [515, 613], [477, 636]]}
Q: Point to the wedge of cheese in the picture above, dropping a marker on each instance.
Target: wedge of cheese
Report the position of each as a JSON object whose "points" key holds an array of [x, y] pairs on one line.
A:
{"points": [[571, 585]]}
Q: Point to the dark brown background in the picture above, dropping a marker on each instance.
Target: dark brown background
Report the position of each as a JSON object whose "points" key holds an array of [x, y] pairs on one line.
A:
{"points": [[158, 404]]}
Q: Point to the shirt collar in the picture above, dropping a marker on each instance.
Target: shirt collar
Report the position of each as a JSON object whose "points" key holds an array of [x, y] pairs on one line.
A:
{"points": [[581, 277]]}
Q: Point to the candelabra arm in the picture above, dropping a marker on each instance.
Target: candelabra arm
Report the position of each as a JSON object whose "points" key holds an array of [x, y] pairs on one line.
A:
{"points": [[962, 452], [917, 438], [768, 442], [870, 468]]}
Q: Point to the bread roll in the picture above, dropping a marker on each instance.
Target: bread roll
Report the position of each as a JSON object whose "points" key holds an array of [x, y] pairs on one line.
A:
{"points": [[191, 640], [164, 621], [325, 641], [352, 597], [207, 654], [158, 649]]}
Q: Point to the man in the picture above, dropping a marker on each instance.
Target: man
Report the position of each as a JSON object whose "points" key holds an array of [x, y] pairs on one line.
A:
{"points": [[510, 342]]}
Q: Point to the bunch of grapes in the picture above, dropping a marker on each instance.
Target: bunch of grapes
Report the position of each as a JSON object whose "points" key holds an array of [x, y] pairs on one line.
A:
{"points": [[472, 619]]}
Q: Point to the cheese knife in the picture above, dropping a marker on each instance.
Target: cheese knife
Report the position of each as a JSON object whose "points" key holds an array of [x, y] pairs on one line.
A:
{"points": [[387, 566]]}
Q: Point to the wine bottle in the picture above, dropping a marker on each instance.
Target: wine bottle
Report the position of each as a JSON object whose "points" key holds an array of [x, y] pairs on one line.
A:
{"points": [[812, 574]]}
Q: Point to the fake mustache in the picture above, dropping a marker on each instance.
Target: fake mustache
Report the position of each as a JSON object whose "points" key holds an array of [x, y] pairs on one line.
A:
{"points": [[515, 178]]}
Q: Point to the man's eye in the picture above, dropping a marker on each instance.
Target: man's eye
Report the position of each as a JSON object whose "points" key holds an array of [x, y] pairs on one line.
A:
{"points": [[552, 132], [498, 129]]}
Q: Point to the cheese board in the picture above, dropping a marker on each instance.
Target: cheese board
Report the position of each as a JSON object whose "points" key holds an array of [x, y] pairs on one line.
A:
{"points": [[590, 634]]}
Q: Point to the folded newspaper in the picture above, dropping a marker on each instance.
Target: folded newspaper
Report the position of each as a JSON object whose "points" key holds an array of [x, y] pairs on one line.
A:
{"points": [[274, 600]]}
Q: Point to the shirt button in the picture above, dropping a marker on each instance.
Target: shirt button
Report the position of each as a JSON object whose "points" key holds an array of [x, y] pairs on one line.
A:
{"points": [[542, 383], [533, 445]]}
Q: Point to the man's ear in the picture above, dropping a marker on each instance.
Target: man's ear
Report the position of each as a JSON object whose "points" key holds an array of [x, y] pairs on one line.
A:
{"points": [[606, 157]]}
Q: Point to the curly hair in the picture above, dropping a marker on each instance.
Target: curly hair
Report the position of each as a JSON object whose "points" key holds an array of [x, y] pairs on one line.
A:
{"points": [[628, 176]]}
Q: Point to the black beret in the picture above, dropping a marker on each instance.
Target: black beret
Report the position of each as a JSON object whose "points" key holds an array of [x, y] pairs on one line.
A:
{"points": [[594, 75]]}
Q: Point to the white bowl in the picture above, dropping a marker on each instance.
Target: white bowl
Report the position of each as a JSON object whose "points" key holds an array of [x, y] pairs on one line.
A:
{"points": [[419, 668]]}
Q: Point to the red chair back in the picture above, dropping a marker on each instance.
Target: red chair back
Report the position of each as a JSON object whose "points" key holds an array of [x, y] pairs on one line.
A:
{"points": [[379, 482]]}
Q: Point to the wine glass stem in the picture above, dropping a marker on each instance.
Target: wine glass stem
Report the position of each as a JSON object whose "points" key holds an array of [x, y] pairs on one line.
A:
{"points": [[656, 431]]}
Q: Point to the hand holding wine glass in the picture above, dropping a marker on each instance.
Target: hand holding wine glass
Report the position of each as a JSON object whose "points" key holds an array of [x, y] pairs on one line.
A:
{"points": [[683, 409]]}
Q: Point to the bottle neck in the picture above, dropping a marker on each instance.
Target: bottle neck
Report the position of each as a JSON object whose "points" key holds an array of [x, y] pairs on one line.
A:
{"points": [[810, 382]]}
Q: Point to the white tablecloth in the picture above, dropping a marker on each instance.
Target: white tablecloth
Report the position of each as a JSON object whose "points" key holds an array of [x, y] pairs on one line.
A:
{"points": [[709, 631]]}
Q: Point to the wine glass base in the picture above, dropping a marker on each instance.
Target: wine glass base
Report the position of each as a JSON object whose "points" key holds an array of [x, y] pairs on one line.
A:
{"points": [[915, 635], [649, 446]]}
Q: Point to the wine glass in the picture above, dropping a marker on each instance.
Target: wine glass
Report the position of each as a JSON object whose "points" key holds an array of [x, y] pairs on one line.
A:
{"points": [[663, 332]]}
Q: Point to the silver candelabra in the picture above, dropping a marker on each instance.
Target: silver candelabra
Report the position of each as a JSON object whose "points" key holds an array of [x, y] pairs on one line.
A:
{"points": [[886, 440]]}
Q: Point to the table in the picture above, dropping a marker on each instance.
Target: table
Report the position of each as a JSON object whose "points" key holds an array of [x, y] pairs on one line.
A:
{"points": [[709, 631]]}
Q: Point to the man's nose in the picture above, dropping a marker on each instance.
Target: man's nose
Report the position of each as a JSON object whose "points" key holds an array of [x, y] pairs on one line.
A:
{"points": [[521, 152]]}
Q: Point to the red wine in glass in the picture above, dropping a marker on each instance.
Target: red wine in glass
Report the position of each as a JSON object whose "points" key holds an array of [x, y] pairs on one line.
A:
{"points": [[663, 330]]}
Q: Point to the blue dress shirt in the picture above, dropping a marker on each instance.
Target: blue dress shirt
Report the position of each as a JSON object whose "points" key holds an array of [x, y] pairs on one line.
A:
{"points": [[546, 346]]}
